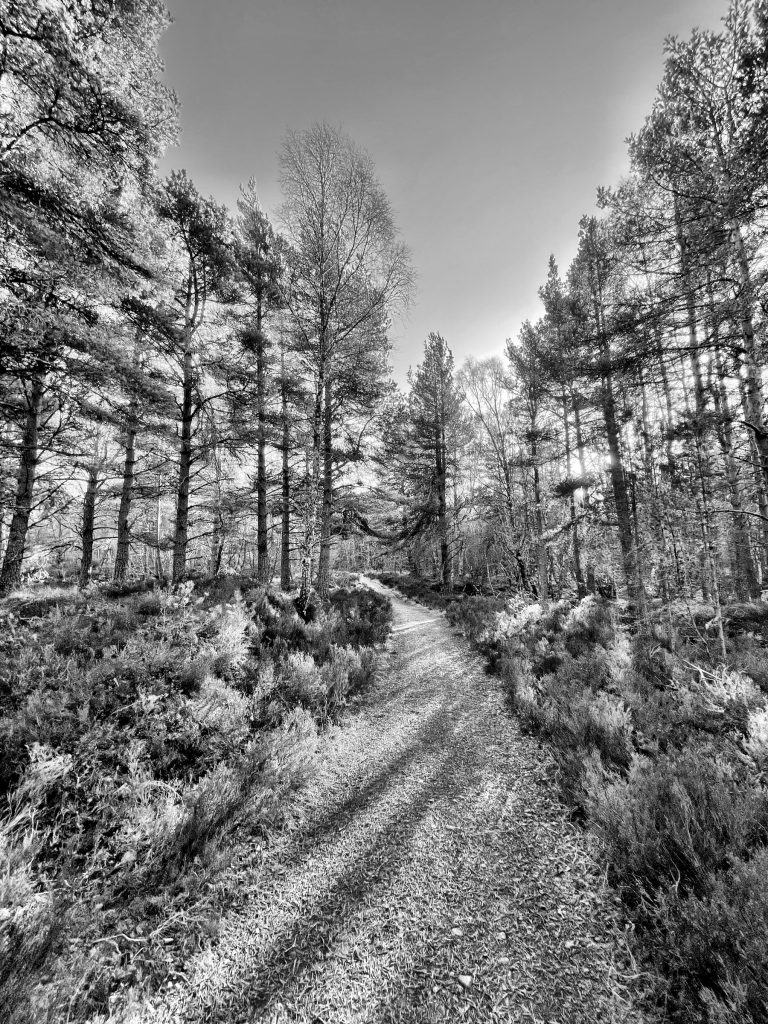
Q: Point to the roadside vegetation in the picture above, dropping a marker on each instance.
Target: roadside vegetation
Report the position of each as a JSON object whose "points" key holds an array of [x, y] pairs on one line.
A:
{"points": [[663, 751], [141, 730]]}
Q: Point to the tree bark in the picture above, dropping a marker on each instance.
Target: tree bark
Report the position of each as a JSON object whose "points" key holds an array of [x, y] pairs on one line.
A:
{"points": [[10, 576], [285, 511], [181, 528], [745, 578], [312, 476], [446, 567], [158, 537], [263, 572], [578, 572], [87, 526], [620, 497], [542, 559], [627, 540], [123, 551], [324, 560]]}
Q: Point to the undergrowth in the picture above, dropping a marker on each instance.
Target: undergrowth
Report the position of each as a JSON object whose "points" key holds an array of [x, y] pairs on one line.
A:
{"points": [[139, 729], [663, 750]]}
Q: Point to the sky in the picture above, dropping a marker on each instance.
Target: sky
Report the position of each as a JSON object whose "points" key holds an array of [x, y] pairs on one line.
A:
{"points": [[491, 124]]}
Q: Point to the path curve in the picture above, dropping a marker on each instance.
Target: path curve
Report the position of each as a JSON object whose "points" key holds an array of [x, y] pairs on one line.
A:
{"points": [[435, 878]]}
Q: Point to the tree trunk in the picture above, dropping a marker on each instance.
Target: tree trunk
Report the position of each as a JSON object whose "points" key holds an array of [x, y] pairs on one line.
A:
{"points": [[123, 551], [578, 573], [312, 477], [324, 561], [620, 497], [158, 537], [263, 572], [542, 559], [754, 400], [745, 577], [760, 490], [446, 568], [699, 423], [10, 576], [181, 528], [285, 525], [627, 542], [86, 528]]}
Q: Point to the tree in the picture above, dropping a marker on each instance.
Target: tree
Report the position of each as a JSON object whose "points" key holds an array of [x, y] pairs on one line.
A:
{"points": [[199, 229], [258, 270], [529, 367], [435, 415], [86, 116], [347, 272]]}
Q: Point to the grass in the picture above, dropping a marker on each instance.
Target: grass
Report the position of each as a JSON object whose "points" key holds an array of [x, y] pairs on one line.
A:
{"points": [[140, 729]]}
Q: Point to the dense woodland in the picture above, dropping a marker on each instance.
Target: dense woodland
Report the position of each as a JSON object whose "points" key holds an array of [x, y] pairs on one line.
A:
{"points": [[192, 394]]}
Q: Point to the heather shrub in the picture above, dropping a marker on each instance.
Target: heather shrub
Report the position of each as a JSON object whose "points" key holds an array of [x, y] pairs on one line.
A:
{"points": [[29, 917], [472, 614], [137, 733], [714, 945], [757, 740], [588, 624], [364, 617], [676, 820], [751, 662], [665, 752]]}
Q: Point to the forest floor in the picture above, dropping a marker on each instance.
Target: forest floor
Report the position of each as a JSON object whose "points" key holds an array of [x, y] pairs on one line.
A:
{"points": [[432, 875]]}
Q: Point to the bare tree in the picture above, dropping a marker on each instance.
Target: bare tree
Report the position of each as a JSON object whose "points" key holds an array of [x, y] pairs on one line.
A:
{"points": [[347, 271]]}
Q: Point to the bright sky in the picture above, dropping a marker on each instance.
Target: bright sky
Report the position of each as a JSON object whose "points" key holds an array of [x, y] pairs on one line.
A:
{"points": [[491, 124]]}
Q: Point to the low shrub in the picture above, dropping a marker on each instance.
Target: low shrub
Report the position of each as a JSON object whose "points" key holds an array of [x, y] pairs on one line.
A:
{"points": [[665, 752], [713, 945], [137, 733]]}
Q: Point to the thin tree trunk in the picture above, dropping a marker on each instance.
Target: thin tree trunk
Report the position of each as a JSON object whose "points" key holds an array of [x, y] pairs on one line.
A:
{"points": [[324, 561], [263, 572], [158, 537], [745, 577], [754, 400], [589, 581], [703, 467], [181, 528], [441, 468], [312, 477], [123, 551], [542, 567], [10, 576], [87, 526], [285, 511], [760, 490], [578, 573]]}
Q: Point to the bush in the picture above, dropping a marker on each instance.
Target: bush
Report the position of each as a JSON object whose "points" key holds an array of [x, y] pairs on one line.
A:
{"points": [[666, 753], [677, 820], [714, 945], [137, 733]]}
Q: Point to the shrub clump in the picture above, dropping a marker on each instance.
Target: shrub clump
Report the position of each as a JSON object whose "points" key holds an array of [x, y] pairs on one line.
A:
{"points": [[138, 730], [665, 753]]}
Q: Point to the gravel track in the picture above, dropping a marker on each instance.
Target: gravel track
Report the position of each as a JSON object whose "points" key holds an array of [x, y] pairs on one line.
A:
{"points": [[434, 877]]}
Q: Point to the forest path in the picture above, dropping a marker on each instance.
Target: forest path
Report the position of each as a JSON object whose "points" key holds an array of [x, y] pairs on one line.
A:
{"points": [[434, 876]]}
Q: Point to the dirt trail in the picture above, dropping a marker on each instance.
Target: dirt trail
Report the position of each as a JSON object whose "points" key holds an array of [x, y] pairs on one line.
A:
{"points": [[435, 877]]}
